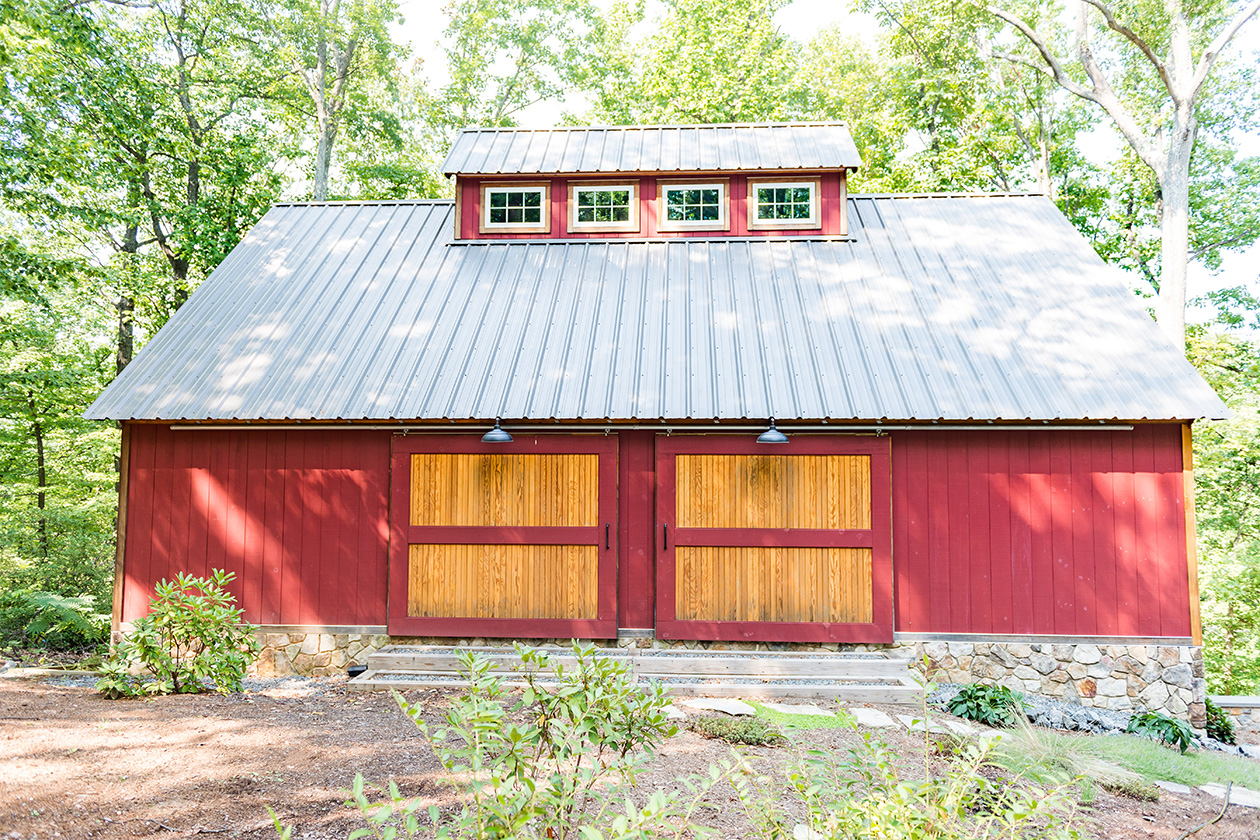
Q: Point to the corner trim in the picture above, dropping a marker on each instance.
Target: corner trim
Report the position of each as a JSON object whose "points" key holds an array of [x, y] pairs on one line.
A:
{"points": [[120, 535]]}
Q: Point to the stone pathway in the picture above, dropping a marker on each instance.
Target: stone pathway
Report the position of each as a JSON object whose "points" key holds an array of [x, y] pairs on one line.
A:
{"points": [[1237, 795]]}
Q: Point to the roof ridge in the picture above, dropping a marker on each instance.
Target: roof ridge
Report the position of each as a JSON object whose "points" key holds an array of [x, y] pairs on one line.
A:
{"points": [[854, 195], [637, 127], [367, 202]]}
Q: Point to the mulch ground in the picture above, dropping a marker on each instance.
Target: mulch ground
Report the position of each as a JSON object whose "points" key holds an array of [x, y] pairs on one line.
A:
{"points": [[74, 765]]}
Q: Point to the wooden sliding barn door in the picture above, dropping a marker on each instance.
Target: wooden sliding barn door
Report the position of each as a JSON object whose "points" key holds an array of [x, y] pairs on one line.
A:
{"points": [[514, 540], [774, 542]]}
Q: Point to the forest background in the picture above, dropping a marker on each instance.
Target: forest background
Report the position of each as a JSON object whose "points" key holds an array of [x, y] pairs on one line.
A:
{"points": [[141, 139]]}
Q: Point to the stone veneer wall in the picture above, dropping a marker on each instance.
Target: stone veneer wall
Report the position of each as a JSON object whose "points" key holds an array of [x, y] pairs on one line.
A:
{"points": [[1163, 678], [313, 654]]}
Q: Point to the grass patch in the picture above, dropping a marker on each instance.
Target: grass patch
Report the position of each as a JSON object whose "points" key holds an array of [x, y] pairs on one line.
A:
{"points": [[842, 720], [753, 731], [1159, 762]]}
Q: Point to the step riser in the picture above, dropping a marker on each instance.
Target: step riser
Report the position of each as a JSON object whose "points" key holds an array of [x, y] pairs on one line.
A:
{"points": [[660, 666]]}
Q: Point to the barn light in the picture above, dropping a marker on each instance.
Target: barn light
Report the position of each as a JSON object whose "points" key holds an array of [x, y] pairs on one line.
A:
{"points": [[496, 435], [772, 435]]}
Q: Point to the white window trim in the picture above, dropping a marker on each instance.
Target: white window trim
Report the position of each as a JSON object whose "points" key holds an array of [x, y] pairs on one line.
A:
{"points": [[631, 226], [543, 226], [815, 201], [724, 201]]}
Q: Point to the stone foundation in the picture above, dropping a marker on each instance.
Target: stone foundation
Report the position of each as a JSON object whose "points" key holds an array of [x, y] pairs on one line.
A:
{"points": [[313, 654], [1161, 678]]}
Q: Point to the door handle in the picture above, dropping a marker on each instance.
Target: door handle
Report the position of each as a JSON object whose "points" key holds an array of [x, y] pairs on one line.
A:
{"points": [[666, 535], [607, 529]]}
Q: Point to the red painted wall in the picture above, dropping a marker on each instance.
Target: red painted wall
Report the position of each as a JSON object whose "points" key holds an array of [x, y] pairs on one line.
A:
{"points": [[470, 210], [1072, 533], [301, 517], [636, 529]]}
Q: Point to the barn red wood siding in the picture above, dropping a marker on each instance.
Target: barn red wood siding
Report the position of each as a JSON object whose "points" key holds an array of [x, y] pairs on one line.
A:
{"points": [[737, 207], [1068, 533], [300, 516]]}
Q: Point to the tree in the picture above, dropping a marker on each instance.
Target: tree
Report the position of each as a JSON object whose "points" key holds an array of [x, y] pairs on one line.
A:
{"points": [[1161, 42], [337, 50]]}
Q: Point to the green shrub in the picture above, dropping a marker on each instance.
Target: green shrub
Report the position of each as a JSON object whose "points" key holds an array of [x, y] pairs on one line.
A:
{"points": [[992, 705], [862, 793], [1219, 724], [50, 621], [1162, 728], [192, 640], [558, 762], [752, 731]]}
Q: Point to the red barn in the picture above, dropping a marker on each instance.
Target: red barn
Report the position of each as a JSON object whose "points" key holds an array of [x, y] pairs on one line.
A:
{"points": [[735, 404]]}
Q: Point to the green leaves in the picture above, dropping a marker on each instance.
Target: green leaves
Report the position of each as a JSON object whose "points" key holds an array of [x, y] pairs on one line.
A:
{"points": [[1161, 727], [992, 705]]}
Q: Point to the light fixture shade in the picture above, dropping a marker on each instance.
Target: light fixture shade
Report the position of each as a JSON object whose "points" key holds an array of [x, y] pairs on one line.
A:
{"points": [[772, 435], [496, 435]]}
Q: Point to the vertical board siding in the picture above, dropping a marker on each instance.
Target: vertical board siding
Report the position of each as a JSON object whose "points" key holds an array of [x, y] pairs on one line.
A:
{"points": [[463, 489], [503, 581], [299, 516], [745, 583], [1066, 533]]}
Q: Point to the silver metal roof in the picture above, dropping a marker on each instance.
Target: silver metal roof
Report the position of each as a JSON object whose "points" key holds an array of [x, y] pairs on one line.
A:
{"points": [[959, 308], [653, 148]]}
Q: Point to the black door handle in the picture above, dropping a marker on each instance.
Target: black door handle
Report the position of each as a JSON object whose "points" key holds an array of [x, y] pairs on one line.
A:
{"points": [[666, 527], [607, 529]]}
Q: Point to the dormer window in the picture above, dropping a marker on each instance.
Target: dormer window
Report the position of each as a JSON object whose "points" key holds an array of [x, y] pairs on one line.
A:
{"points": [[518, 208], [783, 204], [693, 205], [604, 206]]}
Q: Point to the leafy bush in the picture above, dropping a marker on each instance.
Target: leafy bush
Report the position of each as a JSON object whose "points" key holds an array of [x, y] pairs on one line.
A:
{"points": [[753, 731], [1219, 724], [559, 762], [192, 640], [992, 705], [1162, 728], [863, 794], [52, 621]]}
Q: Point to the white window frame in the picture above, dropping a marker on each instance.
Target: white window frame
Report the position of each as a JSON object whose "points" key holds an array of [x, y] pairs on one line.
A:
{"points": [[630, 226], [722, 185], [544, 203], [815, 201]]}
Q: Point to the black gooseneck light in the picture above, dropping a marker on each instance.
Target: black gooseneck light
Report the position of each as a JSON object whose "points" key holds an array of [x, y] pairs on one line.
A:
{"points": [[497, 435]]}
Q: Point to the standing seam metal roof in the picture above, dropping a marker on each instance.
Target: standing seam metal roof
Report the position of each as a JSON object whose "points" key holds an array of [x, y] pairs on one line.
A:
{"points": [[936, 309], [663, 148]]}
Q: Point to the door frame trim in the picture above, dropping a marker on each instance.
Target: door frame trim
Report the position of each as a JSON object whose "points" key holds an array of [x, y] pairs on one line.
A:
{"points": [[879, 539]]}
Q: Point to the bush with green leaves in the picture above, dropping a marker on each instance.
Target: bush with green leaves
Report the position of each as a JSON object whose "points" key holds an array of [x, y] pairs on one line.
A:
{"points": [[1219, 724], [30, 617], [1162, 728], [992, 705], [558, 761], [753, 731], [862, 793], [192, 640]]}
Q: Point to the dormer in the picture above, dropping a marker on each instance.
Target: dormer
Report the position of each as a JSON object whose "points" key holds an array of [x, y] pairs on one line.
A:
{"points": [[652, 182]]}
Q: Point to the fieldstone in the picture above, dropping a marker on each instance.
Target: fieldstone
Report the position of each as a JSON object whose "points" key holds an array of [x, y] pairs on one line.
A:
{"points": [[1059, 676], [1063, 653], [341, 640], [1053, 689], [1176, 707], [795, 709], [720, 704], [1168, 656], [1179, 675], [1024, 672], [1087, 654], [379, 641], [1197, 667], [340, 659], [277, 639], [1043, 664], [872, 718], [323, 660], [1140, 653], [1019, 651], [1119, 703], [326, 642], [1173, 787], [310, 645], [936, 651], [1077, 671], [1003, 656], [1154, 696], [1087, 688], [1237, 795], [1250, 750], [961, 648], [297, 638], [302, 663], [1184, 655], [964, 663], [280, 664], [1111, 687], [1099, 670], [982, 649]]}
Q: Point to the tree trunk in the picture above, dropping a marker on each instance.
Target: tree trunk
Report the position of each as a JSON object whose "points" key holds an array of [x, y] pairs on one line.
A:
{"points": [[323, 157], [41, 477], [1174, 230], [126, 332]]}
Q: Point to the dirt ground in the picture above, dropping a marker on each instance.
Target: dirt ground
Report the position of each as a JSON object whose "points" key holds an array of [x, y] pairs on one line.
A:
{"points": [[74, 765]]}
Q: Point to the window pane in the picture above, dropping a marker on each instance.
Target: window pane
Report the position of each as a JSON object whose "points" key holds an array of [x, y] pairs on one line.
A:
{"points": [[674, 214], [692, 214], [674, 198], [514, 214], [533, 198], [498, 215], [709, 197], [603, 214], [621, 214], [801, 211], [691, 196], [709, 213], [764, 195], [783, 211], [498, 199], [585, 198], [586, 214], [765, 211], [621, 197], [533, 215], [801, 194], [782, 194]]}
